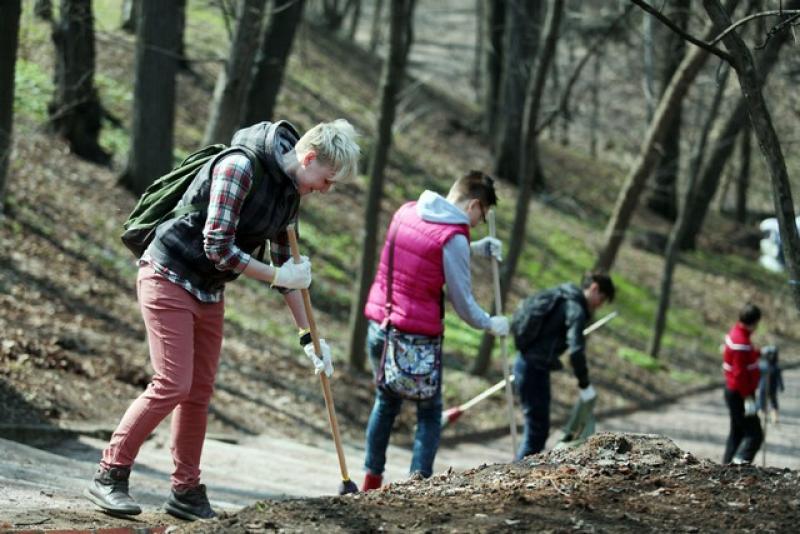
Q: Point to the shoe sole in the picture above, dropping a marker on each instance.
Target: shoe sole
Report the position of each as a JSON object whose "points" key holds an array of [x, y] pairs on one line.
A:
{"points": [[113, 511], [182, 514]]}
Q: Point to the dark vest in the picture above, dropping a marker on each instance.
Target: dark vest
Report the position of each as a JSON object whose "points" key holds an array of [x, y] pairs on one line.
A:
{"points": [[270, 206]]}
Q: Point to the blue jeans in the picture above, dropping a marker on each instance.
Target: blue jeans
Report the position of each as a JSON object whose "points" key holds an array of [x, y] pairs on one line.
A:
{"points": [[384, 411], [533, 386]]}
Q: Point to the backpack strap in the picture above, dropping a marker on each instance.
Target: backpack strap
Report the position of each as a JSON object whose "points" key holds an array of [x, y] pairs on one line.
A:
{"points": [[258, 175]]}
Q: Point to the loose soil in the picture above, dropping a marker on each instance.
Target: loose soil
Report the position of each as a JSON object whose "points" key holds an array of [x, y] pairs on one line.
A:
{"points": [[613, 483]]}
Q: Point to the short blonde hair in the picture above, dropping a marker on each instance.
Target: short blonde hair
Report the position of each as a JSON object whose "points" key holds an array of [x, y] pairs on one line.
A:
{"points": [[335, 145]]}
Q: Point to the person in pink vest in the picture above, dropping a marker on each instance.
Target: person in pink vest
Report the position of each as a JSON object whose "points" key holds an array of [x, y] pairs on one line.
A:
{"points": [[431, 240]]}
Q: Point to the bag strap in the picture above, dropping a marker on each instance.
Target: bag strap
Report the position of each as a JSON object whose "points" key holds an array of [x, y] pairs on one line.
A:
{"points": [[389, 276]]}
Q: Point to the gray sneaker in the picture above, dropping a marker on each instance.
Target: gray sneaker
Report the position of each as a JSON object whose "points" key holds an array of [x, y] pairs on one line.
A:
{"points": [[191, 504], [109, 491]]}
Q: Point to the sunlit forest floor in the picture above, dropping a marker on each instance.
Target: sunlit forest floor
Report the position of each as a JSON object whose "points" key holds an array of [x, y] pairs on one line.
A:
{"points": [[73, 347]]}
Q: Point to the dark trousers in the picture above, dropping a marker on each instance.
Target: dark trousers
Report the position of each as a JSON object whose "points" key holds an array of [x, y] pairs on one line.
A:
{"points": [[533, 387], [746, 435]]}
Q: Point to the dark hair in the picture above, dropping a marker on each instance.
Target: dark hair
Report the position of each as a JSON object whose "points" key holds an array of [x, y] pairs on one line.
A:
{"points": [[603, 281], [750, 314], [476, 184]]}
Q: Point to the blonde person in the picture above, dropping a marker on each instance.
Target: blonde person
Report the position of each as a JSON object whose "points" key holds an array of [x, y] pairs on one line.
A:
{"points": [[252, 192]]}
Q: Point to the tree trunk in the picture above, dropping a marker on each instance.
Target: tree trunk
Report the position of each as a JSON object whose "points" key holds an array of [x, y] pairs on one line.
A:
{"points": [[153, 94], [649, 68], [480, 45], [355, 18], [392, 78], [129, 15], [662, 199], [636, 179], [9, 31], [375, 32], [529, 168], [75, 112], [672, 252], [233, 80], [743, 178], [768, 141], [271, 61], [43, 9], [495, 13], [594, 121], [183, 59], [523, 29], [724, 146], [333, 14]]}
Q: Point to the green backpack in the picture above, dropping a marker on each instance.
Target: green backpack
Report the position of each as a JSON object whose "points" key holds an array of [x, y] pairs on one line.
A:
{"points": [[160, 200]]}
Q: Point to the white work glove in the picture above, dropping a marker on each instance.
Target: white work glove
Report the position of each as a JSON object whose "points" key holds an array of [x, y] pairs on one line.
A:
{"points": [[588, 393], [488, 246], [293, 275], [323, 363], [750, 407], [498, 325]]}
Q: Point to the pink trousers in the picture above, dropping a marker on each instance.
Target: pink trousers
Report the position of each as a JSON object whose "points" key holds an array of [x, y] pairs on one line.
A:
{"points": [[185, 338]]}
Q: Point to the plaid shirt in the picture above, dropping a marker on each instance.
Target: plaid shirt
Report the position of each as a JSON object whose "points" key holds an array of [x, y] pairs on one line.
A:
{"points": [[230, 182]]}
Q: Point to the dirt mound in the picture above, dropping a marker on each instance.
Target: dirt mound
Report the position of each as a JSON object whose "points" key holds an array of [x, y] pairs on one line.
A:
{"points": [[614, 482]]}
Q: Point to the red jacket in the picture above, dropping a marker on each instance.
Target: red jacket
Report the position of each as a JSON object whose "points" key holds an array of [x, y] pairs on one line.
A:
{"points": [[740, 361]]}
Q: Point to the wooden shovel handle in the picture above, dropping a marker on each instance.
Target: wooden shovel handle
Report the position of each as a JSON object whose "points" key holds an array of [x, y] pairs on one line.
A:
{"points": [[326, 386]]}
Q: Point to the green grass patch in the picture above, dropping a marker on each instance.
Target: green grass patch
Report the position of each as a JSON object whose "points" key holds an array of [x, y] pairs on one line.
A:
{"points": [[687, 377], [33, 88], [640, 359]]}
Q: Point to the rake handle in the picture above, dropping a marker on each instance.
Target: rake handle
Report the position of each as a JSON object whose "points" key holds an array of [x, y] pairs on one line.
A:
{"points": [[498, 306], [323, 378]]}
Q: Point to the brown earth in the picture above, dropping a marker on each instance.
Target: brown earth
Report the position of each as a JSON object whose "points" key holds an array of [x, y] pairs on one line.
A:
{"points": [[613, 483]]}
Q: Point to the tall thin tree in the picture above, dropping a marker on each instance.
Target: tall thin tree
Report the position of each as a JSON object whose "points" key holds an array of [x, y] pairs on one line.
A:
{"points": [[75, 112], [9, 32], [662, 198], [636, 179], [751, 82], [156, 61], [529, 168], [234, 78], [394, 72], [522, 32], [267, 77]]}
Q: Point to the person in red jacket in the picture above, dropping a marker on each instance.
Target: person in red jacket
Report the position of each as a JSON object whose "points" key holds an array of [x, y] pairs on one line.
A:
{"points": [[740, 366]]}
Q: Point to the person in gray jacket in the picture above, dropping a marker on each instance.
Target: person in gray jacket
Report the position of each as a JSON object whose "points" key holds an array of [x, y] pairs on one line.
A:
{"points": [[547, 324]]}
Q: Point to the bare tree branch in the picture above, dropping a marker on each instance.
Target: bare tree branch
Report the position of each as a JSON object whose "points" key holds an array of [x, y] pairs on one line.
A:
{"points": [[794, 12], [593, 49], [708, 46]]}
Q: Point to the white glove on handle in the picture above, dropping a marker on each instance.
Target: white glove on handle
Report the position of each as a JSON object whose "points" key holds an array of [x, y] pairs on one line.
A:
{"points": [[750, 407], [588, 393], [498, 326], [293, 275], [488, 246], [323, 363]]}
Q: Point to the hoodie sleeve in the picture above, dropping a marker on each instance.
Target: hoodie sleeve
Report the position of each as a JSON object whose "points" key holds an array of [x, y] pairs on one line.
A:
{"points": [[575, 318], [455, 257]]}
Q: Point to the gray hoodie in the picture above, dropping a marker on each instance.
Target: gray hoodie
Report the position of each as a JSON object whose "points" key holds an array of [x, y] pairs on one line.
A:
{"points": [[434, 208]]}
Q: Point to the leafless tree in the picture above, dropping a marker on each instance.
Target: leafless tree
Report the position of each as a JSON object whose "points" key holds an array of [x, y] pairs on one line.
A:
{"points": [[267, 77], [156, 64], [234, 78], [394, 72], [75, 112], [529, 168], [9, 31]]}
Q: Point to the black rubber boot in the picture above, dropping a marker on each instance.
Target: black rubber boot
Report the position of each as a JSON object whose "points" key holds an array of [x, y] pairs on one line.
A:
{"points": [[109, 491], [191, 504]]}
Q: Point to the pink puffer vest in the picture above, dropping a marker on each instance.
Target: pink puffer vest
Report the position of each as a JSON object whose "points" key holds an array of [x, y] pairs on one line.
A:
{"points": [[418, 275]]}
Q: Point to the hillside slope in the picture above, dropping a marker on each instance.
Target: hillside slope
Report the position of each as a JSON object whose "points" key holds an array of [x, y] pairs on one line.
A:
{"points": [[73, 346]]}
